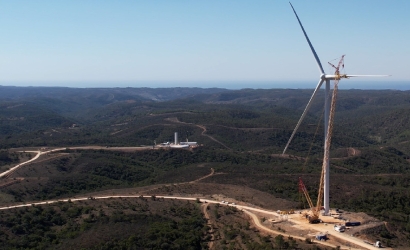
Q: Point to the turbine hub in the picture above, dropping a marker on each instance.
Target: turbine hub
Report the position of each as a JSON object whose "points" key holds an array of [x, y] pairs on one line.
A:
{"points": [[323, 76]]}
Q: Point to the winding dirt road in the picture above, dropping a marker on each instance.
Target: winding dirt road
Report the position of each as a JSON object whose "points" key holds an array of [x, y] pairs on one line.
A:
{"points": [[39, 153], [246, 209], [176, 120], [209, 223]]}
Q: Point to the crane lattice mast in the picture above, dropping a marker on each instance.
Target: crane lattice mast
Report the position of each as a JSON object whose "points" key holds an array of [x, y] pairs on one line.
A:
{"points": [[328, 141], [316, 209]]}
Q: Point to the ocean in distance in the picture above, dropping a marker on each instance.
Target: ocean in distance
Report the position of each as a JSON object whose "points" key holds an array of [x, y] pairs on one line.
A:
{"points": [[343, 84]]}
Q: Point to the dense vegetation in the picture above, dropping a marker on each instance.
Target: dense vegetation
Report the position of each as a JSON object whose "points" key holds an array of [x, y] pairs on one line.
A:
{"points": [[138, 224], [88, 170], [7, 157]]}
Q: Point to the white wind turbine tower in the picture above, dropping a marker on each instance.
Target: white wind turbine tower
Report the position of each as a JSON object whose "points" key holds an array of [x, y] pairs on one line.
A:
{"points": [[323, 78]]}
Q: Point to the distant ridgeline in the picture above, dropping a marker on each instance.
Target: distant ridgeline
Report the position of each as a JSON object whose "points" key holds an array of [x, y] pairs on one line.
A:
{"points": [[245, 119]]}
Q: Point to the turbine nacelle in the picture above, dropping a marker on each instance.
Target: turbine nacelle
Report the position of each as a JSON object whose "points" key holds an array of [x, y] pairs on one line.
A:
{"points": [[335, 77]]}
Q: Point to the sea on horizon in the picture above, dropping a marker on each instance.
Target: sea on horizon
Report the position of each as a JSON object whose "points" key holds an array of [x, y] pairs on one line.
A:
{"points": [[344, 84]]}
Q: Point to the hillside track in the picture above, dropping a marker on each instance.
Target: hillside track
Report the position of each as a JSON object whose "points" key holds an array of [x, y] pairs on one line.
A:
{"points": [[39, 153], [204, 177], [171, 113], [7, 173], [176, 120], [352, 152], [56, 156], [247, 209], [247, 129], [210, 224], [132, 129], [182, 183], [211, 137]]}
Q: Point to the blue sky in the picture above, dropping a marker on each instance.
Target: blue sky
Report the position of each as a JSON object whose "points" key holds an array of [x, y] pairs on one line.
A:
{"points": [[82, 43]]}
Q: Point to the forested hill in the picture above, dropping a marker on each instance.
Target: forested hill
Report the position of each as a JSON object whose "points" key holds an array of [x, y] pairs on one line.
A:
{"points": [[111, 94], [32, 115], [76, 102]]}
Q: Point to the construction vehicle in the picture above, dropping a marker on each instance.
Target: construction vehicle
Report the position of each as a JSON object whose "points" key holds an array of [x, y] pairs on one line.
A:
{"points": [[313, 217], [339, 228], [321, 236]]}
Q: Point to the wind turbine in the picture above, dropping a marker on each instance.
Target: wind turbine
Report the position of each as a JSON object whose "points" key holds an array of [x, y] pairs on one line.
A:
{"points": [[323, 78]]}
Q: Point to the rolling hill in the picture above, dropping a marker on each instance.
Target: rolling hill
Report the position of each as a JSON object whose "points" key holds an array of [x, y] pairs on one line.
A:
{"points": [[242, 133]]}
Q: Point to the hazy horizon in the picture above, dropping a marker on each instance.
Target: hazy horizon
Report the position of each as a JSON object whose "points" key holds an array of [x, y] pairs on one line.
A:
{"points": [[234, 85]]}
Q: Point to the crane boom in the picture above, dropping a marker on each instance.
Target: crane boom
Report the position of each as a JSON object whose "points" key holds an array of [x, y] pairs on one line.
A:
{"points": [[314, 218], [302, 189], [329, 129]]}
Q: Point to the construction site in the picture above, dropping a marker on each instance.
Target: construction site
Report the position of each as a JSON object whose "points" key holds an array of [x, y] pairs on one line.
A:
{"points": [[177, 143], [321, 213]]}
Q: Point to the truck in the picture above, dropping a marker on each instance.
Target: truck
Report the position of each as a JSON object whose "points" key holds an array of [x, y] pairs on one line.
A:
{"points": [[339, 228], [352, 223], [321, 237]]}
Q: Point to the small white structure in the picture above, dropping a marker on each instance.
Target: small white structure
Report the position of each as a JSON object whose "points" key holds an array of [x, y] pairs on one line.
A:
{"points": [[177, 144], [189, 143]]}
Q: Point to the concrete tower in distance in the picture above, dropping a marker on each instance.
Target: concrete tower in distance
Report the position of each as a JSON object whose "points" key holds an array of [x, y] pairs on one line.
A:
{"points": [[176, 138]]}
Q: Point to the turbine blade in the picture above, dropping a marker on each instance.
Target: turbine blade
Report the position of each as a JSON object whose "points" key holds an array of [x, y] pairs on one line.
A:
{"points": [[310, 44], [304, 113], [367, 75]]}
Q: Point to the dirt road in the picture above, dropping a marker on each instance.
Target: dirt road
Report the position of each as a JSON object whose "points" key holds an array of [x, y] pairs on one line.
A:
{"points": [[209, 223], [176, 120], [39, 153], [247, 209], [259, 225]]}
